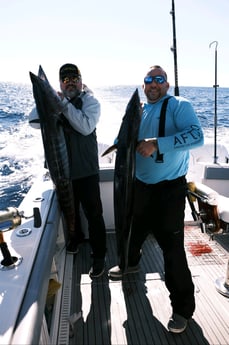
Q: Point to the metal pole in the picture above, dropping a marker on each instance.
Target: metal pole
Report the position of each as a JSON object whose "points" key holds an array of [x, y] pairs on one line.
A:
{"points": [[215, 118], [174, 50]]}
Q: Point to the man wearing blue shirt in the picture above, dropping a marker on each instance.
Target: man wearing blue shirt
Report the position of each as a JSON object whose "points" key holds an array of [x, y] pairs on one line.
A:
{"points": [[160, 189]]}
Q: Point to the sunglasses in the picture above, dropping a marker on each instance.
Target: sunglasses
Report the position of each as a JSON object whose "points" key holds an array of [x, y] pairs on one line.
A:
{"points": [[159, 79], [66, 80]]}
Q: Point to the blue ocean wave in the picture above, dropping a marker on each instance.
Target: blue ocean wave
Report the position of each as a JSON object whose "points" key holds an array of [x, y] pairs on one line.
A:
{"points": [[21, 150]]}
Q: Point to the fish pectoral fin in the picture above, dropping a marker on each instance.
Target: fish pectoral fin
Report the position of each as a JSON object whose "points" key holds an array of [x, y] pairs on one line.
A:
{"points": [[109, 150]]}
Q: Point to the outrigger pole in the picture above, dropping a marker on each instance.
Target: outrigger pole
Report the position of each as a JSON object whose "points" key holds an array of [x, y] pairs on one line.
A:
{"points": [[174, 50], [215, 118]]}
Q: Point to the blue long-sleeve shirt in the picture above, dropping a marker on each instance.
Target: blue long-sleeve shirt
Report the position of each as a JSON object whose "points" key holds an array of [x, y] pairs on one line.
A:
{"points": [[182, 133]]}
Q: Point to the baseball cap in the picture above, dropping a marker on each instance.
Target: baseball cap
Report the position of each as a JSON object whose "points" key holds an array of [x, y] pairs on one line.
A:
{"points": [[69, 70]]}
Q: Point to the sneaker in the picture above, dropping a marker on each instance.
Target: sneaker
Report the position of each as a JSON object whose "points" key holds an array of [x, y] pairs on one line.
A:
{"points": [[177, 323], [72, 247], [117, 272], [97, 268]]}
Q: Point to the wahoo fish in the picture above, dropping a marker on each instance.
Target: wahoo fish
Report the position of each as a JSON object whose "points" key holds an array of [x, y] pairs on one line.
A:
{"points": [[49, 109], [124, 175]]}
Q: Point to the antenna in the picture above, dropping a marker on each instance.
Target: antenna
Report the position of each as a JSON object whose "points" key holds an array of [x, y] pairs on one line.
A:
{"points": [[215, 118]]}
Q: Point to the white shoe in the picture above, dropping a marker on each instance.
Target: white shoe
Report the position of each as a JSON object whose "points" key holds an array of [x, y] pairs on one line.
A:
{"points": [[117, 272]]}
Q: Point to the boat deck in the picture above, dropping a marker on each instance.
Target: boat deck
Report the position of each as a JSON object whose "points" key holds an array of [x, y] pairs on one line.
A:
{"points": [[136, 310]]}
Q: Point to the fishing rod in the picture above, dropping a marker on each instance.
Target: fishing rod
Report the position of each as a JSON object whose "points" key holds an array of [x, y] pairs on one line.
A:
{"points": [[215, 117], [174, 50]]}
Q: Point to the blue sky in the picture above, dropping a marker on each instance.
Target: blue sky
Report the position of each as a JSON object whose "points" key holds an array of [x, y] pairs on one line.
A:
{"points": [[114, 42]]}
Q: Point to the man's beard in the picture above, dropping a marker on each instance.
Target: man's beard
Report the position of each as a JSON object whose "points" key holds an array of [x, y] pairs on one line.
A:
{"points": [[71, 92]]}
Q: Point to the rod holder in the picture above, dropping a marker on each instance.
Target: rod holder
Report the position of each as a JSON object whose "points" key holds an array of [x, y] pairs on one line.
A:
{"points": [[8, 261]]}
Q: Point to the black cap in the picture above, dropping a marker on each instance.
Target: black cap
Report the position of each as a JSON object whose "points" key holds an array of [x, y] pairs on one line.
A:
{"points": [[69, 70]]}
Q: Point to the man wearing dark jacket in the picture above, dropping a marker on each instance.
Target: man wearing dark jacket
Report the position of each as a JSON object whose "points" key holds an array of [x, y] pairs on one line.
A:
{"points": [[81, 113]]}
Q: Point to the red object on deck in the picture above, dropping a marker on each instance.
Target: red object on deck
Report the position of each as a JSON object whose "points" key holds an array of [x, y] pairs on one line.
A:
{"points": [[199, 248]]}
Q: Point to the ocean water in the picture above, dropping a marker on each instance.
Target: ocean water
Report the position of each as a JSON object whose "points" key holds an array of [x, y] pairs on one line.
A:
{"points": [[21, 149]]}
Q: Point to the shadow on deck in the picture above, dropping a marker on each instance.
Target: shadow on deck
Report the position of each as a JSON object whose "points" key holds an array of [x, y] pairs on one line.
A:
{"points": [[136, 310]]}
